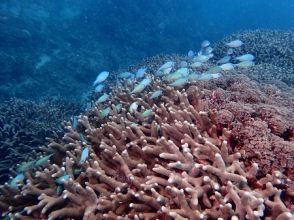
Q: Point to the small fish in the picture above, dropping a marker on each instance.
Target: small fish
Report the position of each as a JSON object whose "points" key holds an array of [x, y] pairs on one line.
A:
{"points": [[43, 160], [182, 72], [19, 178], [205, 43], [105, 112], [207, 50], [145, 82], [245, 57], [194, 76], [183, 64], [235, 43], [180, 82], [208, 76], [140, 73], [62, 179], [84, 155], [59, 189], [77, 171], [133, 107], [245, 64], [99, 88], [196, 64], [83, 139], [125, 75], [118, 108], [138, 88], [167, 65], [201, 58], [224, 60], [227, 66], [165, 68], [156, 94], [167, 71], [214, 69], [191, 53], [75, 122], [146, 113], [101, 77], [103, 98], [25, 166], [230, 51]]}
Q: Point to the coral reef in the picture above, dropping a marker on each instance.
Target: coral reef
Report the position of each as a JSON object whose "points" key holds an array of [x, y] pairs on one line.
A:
{"points": [[274, 51], [169, 158], [24, 126], [260, 117]]}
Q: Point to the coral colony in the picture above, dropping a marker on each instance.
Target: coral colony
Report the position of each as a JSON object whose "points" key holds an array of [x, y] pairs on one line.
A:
{"points": [[180, 138]]}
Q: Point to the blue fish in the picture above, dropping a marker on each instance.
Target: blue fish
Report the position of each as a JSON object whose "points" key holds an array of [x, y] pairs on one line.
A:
{"points": [[75, 122], [62, 179], [43, 160], [19, 178], [156, 94], [83, 138], [99, 88], [101, 77], [118, 107], [140, 73], [85, 154]]}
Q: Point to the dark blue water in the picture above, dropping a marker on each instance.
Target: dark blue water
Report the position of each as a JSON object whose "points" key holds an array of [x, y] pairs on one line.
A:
{"points": [[53, 48]]}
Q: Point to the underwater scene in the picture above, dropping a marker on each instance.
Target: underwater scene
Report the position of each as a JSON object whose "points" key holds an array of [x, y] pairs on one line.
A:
{"points": [[147, 110]]}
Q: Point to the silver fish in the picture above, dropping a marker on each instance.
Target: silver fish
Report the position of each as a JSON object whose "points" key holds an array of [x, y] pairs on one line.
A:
{"points": [[191, 53], [245, 64], [224, 60], [156, 94], [140, 73], [205, 43], [103, 98], [101, 77], [125, 75], [180, 82], [105, 112], [138, 88], [227, 66], [99, 88], [133, 107], [235, 43], [245, 57]]}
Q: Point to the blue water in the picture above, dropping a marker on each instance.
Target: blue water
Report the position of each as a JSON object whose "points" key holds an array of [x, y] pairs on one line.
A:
{"points": [[56, 48], [52, 51]]}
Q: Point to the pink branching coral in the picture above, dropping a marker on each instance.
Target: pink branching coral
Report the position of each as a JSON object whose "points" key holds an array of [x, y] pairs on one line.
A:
{"points": [[166, 159]]}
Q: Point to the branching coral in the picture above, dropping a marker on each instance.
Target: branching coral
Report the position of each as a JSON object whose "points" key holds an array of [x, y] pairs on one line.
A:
{"points": [[24, 125], [175, 163]]}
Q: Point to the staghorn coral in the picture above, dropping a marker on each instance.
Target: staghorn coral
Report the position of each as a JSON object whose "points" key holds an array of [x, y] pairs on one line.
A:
{"points": [[24, 126], [172, 164]]}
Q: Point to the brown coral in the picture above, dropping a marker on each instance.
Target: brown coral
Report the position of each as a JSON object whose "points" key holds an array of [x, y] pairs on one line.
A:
{"points": [[173, 164]]}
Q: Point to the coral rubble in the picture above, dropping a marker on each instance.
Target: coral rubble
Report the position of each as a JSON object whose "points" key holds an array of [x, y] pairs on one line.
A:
{"points": [[168, 158]]}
